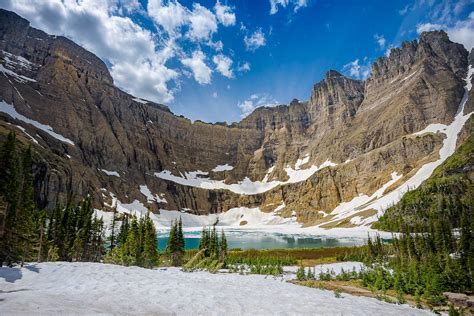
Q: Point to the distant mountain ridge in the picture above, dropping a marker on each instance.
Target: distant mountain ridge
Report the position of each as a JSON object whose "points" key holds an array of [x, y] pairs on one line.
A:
{"points": [[327, 161]]}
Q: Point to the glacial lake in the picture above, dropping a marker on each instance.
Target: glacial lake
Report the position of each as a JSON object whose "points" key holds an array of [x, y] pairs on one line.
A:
{"points": [[265, 240]]}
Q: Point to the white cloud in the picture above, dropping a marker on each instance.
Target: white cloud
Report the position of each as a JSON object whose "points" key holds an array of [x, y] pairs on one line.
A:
{"points": [[224, 14], [380, 39], [200, 22], [146, 80], [463, 32], [256, 100], [446, 16], [254, 41], [214, 94], [96, 25], [196, 63], [300, 4], [171, 16], [426, 27], [223, 65], [275, 3], [460, 32], [244, 67], [203, 23], [218, 46], [357, 70], [297, 4]]}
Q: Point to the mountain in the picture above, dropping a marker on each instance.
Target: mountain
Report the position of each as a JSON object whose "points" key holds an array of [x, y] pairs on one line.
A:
{"points": [[337, 160]]}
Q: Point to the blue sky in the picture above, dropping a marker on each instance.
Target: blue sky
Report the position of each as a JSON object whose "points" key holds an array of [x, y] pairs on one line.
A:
{"points": [[218, 60]]}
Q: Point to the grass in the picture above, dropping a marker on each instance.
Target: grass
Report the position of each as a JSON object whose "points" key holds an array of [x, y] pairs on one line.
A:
{"points": [[291, 256], [355, 287]]}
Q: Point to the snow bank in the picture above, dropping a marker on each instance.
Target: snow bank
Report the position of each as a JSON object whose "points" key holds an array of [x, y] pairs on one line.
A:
{"points": [[94, 288], [335, 268], [302, 161], [110, 173], [200, 179], [10, 110], [221, 168], [140, 101], [251, 217], [150, 197]]}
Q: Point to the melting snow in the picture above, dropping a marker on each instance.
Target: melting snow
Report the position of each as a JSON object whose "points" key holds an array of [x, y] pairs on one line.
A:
{"points": [[19, 78], [432, 128], [110, 173], [301, 162], [10, 110], [140, 101], [246, 186], [97, 288], [225, 167], [150, 197]]}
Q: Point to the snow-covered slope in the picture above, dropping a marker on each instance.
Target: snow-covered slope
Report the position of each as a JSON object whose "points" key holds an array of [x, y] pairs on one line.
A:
{"points": [[94, 288]]}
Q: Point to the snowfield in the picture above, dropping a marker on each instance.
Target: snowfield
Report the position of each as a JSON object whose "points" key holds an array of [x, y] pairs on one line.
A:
{"points": [[94, 288]]}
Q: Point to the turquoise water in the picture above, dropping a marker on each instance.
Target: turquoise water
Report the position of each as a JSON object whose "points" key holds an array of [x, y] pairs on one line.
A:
{"points": [[264, 240]]}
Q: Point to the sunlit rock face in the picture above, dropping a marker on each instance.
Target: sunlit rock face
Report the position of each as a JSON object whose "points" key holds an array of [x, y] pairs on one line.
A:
{"points": [[305, 158]]}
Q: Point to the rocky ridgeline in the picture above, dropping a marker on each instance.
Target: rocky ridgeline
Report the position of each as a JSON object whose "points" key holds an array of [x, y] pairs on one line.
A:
{"points": [[363, 127]]}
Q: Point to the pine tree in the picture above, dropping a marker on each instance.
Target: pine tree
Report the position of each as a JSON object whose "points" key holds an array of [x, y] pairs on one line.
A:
{"points": [[124, 228], [180, 236], [112, 229], [131, 248], [150, 252], [223, 247], [175, 248]]}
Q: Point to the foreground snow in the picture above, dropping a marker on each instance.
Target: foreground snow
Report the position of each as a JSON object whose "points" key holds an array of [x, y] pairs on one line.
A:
{"points": [[93, 288]]}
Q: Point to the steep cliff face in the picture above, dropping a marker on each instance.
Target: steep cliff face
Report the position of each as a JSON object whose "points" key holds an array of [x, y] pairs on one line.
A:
{"points": [[350, 139]]}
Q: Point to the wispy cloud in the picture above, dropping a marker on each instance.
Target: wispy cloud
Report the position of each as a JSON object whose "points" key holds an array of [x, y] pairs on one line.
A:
{"points": [[358, 70], [380, 39], [196, 63], [254, 101], [223, 65], [254, 41], [296, 4]]}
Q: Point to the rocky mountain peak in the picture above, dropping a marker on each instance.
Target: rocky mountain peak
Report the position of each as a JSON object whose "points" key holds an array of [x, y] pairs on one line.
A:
{"points": [[337, 89], [433, 47], [333, 74]]}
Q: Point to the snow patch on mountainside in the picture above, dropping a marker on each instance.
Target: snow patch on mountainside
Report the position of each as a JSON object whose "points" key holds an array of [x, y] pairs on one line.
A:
{"points": [[301, 162], [221, 168], [110, 173], [10, 110], [150, 197], [432, 128], [199, 179], [19, 78], [140, 101]]}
